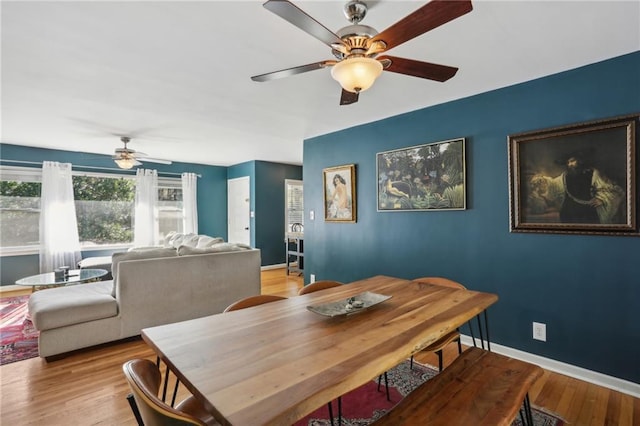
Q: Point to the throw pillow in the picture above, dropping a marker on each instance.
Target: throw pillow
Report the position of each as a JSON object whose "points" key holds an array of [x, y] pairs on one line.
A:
{"points": [[216, 248], [206, 241], [137, 255], [167, 239], [190, 240]]}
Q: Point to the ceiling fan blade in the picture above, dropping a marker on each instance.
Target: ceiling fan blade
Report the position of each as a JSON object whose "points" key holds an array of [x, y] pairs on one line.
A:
{"points": [[348, 98], [296, 16], [428, 17], [292, 71], [417, 68]]}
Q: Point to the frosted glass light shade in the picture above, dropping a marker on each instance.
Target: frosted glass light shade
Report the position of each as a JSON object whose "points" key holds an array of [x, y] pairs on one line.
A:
{"points": [[356, 74], [125, 163]]}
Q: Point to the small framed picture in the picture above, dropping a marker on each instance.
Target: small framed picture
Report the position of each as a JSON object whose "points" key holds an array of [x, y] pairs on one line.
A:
{"points": [[340, 193], [576, 179]]}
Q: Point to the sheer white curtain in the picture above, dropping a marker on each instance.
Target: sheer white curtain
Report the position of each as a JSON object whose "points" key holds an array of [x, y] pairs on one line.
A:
{"points": [[189, 203], [59, 241], [146, 227]]}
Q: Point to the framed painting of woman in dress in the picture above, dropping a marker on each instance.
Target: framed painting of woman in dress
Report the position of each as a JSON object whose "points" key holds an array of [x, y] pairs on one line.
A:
{"points": [[340, 193]]}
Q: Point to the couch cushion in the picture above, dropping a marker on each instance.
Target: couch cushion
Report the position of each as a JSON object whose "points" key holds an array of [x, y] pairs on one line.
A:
{"points": [[59, 307], [150, 253]]}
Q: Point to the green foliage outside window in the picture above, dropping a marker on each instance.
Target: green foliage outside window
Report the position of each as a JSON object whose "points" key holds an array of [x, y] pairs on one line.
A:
{"points": [[19, 213], [19, 189], [104, 208]]}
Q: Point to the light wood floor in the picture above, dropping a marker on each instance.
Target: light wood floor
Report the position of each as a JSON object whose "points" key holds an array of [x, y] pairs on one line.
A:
{"points": [[88, 387]]}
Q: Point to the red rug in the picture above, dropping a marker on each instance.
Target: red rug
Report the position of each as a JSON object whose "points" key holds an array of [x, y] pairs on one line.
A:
{"points": [[18, 336], [365, 404]]}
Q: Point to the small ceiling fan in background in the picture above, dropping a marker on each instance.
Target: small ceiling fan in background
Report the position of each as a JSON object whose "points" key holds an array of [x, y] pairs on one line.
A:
{"points": [[356, 46], [126, 158]]}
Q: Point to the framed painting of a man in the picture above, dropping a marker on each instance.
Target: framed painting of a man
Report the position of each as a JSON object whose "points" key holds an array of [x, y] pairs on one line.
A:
{"points": [[340, 193], [576, 179]]}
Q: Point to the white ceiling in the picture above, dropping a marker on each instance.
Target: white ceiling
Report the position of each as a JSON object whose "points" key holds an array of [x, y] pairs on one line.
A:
{"points": [[175, 75]]}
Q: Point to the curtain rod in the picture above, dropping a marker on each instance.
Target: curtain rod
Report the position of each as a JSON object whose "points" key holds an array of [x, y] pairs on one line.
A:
{"points": [[76, 166]]}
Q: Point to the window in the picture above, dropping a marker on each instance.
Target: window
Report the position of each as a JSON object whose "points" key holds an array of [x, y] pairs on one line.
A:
{"points": [[104, 208], [19, 208], [170, 214], [294, 205]]}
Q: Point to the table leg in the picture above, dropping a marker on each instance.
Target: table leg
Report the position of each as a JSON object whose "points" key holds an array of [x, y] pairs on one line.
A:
{"points": [[480, 330]]}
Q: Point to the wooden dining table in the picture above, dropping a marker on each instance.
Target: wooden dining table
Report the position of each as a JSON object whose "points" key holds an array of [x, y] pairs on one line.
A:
{"points": [[273, 364]]}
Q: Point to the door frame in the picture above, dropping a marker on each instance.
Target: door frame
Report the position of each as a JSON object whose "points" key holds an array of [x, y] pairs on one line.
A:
{"points": [[231, 202]]}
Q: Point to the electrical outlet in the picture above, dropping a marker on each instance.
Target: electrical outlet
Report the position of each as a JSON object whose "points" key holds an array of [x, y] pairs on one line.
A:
{"points": [[540, 331], [312, 278], [312, 215]]}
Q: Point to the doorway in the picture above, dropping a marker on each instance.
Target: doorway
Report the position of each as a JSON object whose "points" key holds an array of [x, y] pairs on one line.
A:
{"points": [[239, 210]]}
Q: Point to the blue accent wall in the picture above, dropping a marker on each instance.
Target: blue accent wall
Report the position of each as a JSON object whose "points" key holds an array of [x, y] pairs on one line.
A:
{"points": [[585, 288]]}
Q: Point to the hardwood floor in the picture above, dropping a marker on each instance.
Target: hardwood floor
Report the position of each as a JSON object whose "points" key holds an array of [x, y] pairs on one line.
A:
{"points": [[88, 387]]}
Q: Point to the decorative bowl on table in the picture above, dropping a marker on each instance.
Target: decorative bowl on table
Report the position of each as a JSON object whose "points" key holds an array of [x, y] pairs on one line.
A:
{"points": [[354, 304]]}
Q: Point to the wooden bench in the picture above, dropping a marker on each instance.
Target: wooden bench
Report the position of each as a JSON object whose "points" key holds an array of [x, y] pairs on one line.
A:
{"points": [[478, 388]]}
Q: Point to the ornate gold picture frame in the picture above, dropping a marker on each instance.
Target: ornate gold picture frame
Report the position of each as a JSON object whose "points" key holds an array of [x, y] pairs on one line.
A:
{"points": [[340, 193], [576, 179]]}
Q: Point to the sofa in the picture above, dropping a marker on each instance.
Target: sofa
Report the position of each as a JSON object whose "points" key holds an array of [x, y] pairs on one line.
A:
{"points": [[172, 239], [150, 287]]}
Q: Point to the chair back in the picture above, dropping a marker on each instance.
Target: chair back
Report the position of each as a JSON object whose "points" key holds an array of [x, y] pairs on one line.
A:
{"points": [[250, 301], [144, 380], [317, 286], [445, 282]]}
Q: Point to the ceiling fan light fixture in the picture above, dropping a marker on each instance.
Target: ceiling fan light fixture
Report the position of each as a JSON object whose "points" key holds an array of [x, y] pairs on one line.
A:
{"points": [[356, 74], [125, 163]]}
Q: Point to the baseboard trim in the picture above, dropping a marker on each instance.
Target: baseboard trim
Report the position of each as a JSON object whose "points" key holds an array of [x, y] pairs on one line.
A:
{"points": [[614, 383], [268, 267], [11, 288]]}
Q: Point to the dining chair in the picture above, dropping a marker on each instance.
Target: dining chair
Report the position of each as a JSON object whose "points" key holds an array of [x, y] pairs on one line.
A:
{"points": [[144, 380], [451, 337], [317, 286], [250, 301], [441, 343]]}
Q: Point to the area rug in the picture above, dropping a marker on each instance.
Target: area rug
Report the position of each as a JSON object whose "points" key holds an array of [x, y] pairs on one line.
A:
{"points": [[362, 406], [18, 336]]}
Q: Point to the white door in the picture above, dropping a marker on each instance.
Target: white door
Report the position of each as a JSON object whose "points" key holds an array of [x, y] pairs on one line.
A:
{"points": [[239, 210]]}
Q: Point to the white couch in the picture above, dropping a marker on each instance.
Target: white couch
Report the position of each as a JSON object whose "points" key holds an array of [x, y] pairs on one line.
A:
{"points": [[146, 291]]}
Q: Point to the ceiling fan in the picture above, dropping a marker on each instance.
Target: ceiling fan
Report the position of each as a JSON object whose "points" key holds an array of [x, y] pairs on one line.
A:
{"points": [[356, 46], [126, 158]]}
